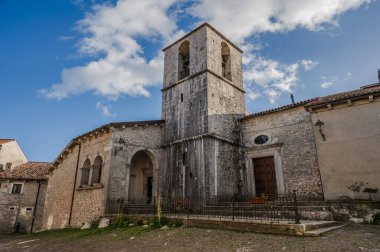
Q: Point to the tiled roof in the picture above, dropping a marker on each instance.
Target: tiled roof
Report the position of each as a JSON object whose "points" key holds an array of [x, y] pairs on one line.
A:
{"points": [[319, 101], [111, 125], [125, 124], [363, 91], [28, 171], [289, 106], [3, 141]]}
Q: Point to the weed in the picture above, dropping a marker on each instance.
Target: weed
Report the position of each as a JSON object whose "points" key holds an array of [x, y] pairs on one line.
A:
{"points": [[158, 222]]}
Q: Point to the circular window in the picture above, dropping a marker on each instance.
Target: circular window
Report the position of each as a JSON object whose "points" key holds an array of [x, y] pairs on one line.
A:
{"points": [[262, 139]]}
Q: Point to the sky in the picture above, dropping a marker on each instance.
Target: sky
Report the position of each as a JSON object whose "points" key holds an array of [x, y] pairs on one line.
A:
{"points": [[67, 67]]}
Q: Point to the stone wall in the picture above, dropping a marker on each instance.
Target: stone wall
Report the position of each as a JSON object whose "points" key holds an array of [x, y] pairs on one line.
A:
{"points": [[185, 117], [198, 59], [202, 167], [291, 143], [88, 203], [126, 142], [20, 208], [214, 58]]}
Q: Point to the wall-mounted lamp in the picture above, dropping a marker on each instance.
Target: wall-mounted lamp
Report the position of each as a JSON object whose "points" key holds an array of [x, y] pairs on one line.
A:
{"points": [[320, 124]]}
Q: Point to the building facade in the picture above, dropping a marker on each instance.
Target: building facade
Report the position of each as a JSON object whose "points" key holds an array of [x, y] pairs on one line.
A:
{"points": [[11, 154], [22, 197], [206, 144]]}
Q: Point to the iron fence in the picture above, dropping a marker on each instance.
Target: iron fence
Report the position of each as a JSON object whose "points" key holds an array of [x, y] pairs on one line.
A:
{"points": [[269, 207]]}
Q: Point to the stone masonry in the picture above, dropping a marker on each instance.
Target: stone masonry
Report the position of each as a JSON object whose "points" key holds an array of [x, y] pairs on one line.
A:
{"points": [[205, 144], [292, 144]]}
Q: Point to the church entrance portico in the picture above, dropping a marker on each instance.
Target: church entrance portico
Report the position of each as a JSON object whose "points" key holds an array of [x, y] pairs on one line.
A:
{"points": [[264, 170], [141, 177]]}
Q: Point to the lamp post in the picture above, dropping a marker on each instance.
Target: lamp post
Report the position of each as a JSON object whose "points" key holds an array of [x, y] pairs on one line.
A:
{"points": [[320, 124]]}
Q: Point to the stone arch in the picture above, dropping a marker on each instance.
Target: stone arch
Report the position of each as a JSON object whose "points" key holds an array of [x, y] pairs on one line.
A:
{"points": [[97, 170], [226, 61], [142, 166], [184, 60], [85, 176]]}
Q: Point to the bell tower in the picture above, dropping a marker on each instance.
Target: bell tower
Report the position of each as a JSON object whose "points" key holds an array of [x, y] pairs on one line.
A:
{"points": [[202, 98]]}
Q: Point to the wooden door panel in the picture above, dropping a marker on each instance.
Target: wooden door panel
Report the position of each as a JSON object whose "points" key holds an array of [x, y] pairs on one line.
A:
{"points": [[265, 175]]}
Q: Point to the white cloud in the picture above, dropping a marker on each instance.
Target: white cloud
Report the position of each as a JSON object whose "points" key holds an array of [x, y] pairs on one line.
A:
{"points": [[112, 33], [239, 20], [273, 77], [256, 16], [328, 81], [105, 109], [252, 95], [309, 64]]}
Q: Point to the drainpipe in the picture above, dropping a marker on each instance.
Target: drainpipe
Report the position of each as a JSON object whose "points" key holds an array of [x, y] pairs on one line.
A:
{"points": [[35, 206], [75, 182]]}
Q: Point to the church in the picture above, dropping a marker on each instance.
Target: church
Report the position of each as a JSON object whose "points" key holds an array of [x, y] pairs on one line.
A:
{"points": [[206, 144]]}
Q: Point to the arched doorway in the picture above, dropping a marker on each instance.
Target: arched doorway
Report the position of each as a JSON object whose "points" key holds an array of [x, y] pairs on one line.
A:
{"points": [[141, 177]]}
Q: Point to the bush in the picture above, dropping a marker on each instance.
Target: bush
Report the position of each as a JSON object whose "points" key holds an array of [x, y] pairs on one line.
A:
{"points": [[156, 223], [95, 223], [120, 222]]}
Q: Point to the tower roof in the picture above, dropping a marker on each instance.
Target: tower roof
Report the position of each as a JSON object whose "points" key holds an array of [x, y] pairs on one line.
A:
{"points": [[200, 27]]}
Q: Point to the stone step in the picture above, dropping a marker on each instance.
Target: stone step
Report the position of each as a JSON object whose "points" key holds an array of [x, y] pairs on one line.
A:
{"points": [[322, 231], [313, 225]]}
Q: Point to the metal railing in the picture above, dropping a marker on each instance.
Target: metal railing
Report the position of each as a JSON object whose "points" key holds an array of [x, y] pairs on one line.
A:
{"points": [[269, 207]]}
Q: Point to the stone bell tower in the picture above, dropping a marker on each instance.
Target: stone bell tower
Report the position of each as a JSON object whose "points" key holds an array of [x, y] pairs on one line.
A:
{"points": [[202, 98]]}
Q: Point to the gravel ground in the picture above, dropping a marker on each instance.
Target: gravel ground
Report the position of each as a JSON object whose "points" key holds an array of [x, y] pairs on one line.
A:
{"points": [[353, 237]]}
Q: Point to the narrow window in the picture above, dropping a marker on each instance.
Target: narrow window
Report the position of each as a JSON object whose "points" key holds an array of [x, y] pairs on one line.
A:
{"points": [[181, 97], [29, 209], [1, 167], [183, 158], [226, 61], [8, 166], [97, 170], [16, 189], [85, 173], [184, 60]]}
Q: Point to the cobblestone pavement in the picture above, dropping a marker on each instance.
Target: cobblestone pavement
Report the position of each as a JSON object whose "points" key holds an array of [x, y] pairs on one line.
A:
{"points": [[350, 238]]}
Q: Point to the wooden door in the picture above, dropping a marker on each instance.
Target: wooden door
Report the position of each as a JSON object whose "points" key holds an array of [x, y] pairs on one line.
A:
{"points": [[265, 175]]}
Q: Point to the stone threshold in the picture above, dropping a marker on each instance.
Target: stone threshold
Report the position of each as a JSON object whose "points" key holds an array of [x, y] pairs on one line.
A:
{"points": [[280, 227]]}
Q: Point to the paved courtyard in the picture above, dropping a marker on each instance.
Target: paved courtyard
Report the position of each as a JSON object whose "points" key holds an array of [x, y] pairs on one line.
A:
{"points": [[350, 238]]}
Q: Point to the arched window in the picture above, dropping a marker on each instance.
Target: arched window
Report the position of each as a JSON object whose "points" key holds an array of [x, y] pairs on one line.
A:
{"points": [[85, 178], [226, 61], [97, 170], [184, 60]]}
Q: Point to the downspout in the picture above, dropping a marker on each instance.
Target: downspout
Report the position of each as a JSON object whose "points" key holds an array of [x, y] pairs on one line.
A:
{"points": [[35, 206], [316, 152], [75, 182]]}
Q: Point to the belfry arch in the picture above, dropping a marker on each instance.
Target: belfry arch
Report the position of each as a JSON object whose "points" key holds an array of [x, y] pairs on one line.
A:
{"points": [[141, 176], [226, 61], [184, 60]]}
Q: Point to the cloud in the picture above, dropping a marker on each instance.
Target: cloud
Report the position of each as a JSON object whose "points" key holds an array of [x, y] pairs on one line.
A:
{"points": [[273, 77], [111, 34], [105, 109], [309, 64], [328, 81], [248, 17], [116, 37], [252, 95], [270, 77]]}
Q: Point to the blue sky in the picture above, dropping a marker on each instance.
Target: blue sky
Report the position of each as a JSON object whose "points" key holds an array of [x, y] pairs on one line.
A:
{"points": [[67, 67]]}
